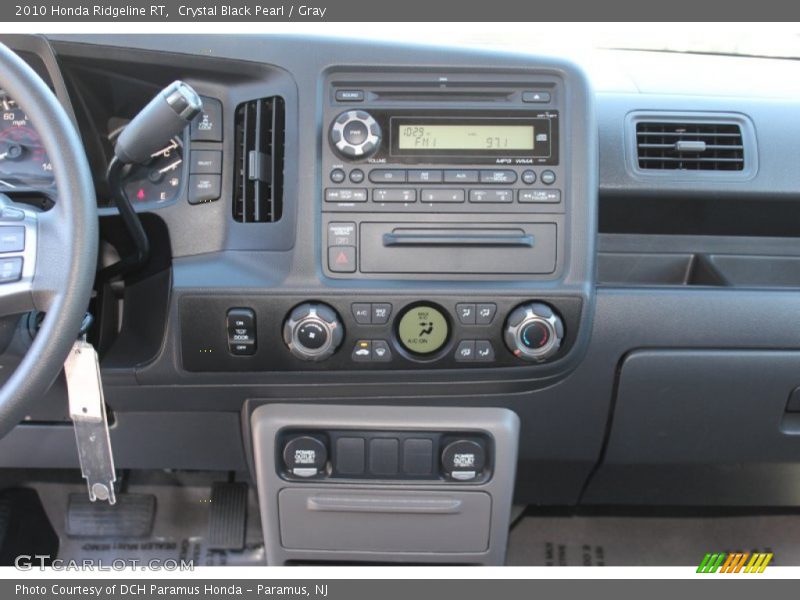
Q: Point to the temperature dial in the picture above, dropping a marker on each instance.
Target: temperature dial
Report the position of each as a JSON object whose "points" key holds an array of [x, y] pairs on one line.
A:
{"points": [[534, 332], [355, 134], [313, 332]]}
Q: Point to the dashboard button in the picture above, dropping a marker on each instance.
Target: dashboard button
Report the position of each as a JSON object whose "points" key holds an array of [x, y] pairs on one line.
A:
{"points": [[356, 175], [383, 456], [241, 323], [484, 352], [491, 196], [345, 195], [461, 176], [204, 188], [362, 313], [342, 259], [442, 195], [356, 133], [484, 313], [548, 177], [536, 97], [10, 269], [549, 196], [349, 95], [206, 161], [529, 177], [465, 351], [387, 176], [381, 351], [466, 313], [381, 313], [498, 176], [207, 126], [12, 238], [350, 455], [394, 195], [337, 175], [425, 176], [362, 351], [417, 457]]}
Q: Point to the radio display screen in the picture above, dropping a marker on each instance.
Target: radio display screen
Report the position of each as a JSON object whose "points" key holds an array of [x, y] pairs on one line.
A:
{"points": [[427, 136], [533, 137]]}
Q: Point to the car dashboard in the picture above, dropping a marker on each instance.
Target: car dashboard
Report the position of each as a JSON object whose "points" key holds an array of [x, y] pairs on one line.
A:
{"points": [[394, 272]]}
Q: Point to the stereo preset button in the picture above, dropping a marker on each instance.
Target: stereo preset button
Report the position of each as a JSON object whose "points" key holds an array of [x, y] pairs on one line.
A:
{"points": [[466, 313], [342, 259], [387, 176], [548, 177], [394, 195], [381, 313], [465, 351], [549, 196], [341, 234], [425, 176], [484, 313], [491, 196], [461, 176], [362, 313], [345, 195], [443, 195], [498, 176]]}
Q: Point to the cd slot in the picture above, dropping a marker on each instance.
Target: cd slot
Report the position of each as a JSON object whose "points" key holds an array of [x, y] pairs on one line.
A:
{"points": [[444, 95], [458, 248]]}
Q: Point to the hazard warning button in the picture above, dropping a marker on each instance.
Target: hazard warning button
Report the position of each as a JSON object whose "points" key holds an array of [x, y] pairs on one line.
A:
{"points": [[342, 259]]}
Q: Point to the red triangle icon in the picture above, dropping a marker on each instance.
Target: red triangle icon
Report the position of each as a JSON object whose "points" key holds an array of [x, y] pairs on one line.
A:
{"points": [[342, 259]]}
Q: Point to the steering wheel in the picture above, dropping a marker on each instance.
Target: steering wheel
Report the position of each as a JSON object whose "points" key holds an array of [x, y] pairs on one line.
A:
{"points": [[60, 255]]}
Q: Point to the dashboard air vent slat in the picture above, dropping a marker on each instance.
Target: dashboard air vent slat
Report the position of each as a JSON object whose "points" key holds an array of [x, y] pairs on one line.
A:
{"points": [[259, 141], [692, 146]]}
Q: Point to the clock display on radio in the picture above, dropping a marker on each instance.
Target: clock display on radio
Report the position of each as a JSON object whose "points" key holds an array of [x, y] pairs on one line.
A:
{"points": [[466, 137]]}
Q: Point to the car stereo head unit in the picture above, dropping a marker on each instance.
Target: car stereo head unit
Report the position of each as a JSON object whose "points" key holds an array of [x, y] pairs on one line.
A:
{"points": [[509, 137]]}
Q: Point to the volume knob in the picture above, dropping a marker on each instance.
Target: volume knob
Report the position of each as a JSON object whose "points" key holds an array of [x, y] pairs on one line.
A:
{"points": [[355, 134], [534, 332]]}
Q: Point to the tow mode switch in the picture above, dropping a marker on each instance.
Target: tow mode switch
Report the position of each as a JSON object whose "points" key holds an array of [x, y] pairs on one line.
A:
{"points": [[305, 456], [463, 460]]}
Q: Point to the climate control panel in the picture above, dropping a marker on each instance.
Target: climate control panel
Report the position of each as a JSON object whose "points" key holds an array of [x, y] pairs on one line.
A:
{"points": [[252, 333]]}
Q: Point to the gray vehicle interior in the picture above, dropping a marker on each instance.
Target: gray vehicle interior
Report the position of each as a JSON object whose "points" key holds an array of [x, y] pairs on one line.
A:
{"points": [[418, 305]]}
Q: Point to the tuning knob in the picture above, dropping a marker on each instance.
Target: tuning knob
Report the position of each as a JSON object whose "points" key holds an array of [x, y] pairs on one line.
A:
{"points": [[313, 332], [355, 134], [534, 332]]}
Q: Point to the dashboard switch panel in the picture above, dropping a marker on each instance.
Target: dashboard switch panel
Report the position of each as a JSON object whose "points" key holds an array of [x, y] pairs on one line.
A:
{"points": [[242, 331]]}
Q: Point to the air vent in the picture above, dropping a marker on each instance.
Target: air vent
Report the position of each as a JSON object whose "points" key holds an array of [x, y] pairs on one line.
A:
{"points": [[258, 191], [690, 146]]}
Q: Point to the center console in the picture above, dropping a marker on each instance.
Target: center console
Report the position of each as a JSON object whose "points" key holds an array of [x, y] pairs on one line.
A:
{"points": [[455, 232]]}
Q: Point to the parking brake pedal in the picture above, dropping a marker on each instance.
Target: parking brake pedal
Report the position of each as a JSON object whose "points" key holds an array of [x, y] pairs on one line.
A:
{"points": [[228, 519], [131, 517]]}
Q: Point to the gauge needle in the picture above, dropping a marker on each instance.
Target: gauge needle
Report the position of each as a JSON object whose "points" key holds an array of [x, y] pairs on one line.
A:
{"points": [[171, 166], [3, 155], [5, 183]]}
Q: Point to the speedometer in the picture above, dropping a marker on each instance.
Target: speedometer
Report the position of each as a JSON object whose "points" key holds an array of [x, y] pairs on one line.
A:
{"points": [[24, 164]]}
